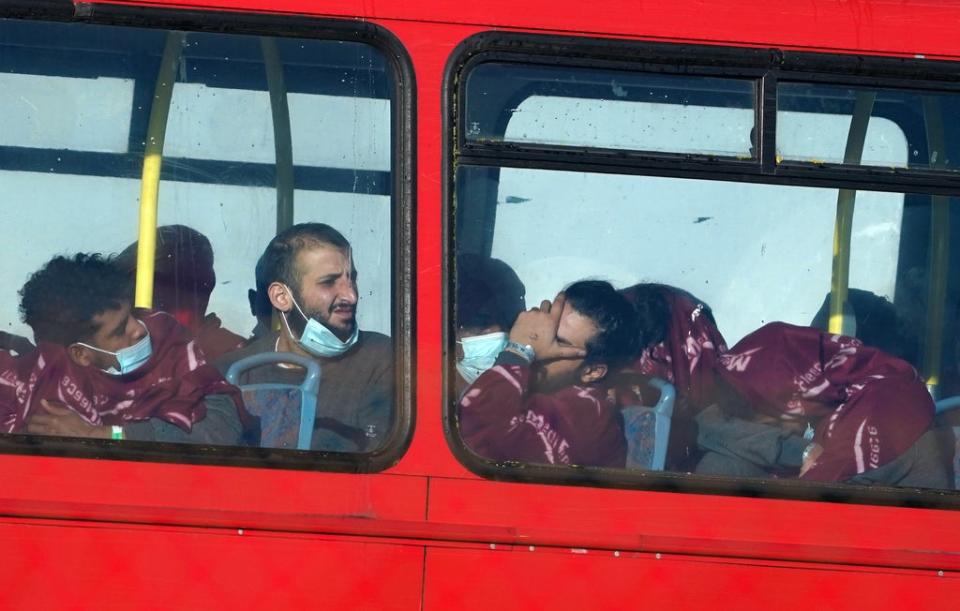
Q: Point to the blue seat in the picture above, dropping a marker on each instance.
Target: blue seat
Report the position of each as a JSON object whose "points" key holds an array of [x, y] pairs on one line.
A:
{"points": [[648, 429], [287, 412], [945, 405]]}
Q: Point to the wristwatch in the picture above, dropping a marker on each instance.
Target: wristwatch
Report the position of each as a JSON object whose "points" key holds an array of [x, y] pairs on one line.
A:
{"points": [[524, 351]]}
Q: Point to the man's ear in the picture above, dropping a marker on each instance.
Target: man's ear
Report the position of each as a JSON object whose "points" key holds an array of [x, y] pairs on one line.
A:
{"points": [[280, 297], [594, 372], [79, 355]]}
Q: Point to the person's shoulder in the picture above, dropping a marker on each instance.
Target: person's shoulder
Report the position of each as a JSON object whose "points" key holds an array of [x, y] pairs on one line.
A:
{"points": [[372, 342], [372, 347], [373, 338], [257, 346], [577, 395]]}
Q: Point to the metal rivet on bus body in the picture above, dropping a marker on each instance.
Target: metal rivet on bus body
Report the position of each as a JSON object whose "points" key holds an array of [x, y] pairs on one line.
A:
{"points": [[493, 546], [240, 531], [939, 573], [531, 548], [616, 554], [657, 556]]}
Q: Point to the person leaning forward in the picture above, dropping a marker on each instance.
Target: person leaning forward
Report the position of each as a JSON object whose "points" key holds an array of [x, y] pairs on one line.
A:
{"points": [[311, 280], [104, 370], [544, 401]]}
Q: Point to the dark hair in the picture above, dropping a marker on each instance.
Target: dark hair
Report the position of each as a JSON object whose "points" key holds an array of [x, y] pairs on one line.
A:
{"points": [[650, 302], [260, 305], [488, 293], [879, 324], [617, 341], [60, 301], [280, 257], [183, 267]]}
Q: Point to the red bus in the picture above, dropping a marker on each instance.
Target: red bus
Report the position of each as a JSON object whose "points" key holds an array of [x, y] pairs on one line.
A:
{"points": [[781, 160]]}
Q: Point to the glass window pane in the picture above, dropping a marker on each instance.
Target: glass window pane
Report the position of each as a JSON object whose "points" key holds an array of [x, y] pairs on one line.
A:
{"points": [[737, 262], [610, 109], [904, 129], [81, 97]]}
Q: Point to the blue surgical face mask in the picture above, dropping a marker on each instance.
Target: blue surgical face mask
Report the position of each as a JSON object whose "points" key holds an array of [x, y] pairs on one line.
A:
{"points": [[317, 339], [130, 358], [480, 352]]}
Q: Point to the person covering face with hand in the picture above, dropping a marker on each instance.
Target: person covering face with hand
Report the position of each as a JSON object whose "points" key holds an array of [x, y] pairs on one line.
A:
{"points": [[543, 401]]}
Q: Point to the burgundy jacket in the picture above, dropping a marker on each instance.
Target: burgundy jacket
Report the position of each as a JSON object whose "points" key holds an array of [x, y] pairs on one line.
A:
{"points": [[867, 407], [501, 419]]}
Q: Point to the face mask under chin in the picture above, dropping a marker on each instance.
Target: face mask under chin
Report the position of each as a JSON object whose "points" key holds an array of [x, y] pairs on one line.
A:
{"points": [[316, 338]]}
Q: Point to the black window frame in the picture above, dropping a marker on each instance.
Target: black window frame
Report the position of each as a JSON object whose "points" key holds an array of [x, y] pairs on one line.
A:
{"points": [[768, 65], [403, 213]]}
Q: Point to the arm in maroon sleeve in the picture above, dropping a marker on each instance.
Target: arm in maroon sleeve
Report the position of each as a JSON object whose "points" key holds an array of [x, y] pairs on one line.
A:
{"points": [[492, 410], [501, 419]]}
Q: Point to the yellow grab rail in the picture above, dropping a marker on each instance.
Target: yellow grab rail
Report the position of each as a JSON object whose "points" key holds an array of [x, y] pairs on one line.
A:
{"points": [[282, 139], [939, 266], [843, 227], [152, 162]]}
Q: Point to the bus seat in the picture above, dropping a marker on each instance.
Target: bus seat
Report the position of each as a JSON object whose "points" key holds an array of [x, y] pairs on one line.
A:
{"points": [[945, 405], [648, 429], [287, 413]]}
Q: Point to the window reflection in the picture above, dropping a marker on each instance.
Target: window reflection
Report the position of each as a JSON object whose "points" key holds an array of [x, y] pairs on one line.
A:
{"points": [[737, 371], [242, 211]]}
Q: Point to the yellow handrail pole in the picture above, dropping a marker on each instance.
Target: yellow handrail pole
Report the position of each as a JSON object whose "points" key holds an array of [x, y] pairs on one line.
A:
{"points": [[843, 226], [282, 139], [939, 262], [152, 162], [840, 280]]}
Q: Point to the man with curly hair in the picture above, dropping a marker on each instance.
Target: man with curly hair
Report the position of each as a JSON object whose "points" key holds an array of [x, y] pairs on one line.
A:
{"points": [[103, 370]]}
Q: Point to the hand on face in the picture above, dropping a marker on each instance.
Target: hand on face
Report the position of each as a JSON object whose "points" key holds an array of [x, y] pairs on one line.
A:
{"points": [[538, 328], [57, 419]]}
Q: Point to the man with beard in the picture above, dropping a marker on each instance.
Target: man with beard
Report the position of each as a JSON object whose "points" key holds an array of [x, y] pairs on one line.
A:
{"points": [[311, 281], [544, 400]]}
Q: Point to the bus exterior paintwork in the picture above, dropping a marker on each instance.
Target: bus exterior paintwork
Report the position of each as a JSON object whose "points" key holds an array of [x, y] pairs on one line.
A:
{"points": [[426, 532]]}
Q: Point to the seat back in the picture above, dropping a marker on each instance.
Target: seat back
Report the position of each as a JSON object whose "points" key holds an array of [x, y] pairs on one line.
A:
{"points": [[648, 429], [287, 412], [942, 406], [945, 405]]}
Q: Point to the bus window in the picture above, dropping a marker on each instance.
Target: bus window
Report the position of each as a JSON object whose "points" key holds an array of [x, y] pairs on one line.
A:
{"points": [[611, 109], [882, 111], [722, 241], [273, 233], [707, 318]]}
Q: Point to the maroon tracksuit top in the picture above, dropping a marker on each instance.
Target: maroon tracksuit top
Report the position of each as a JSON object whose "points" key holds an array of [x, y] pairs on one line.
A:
{"points": [[501, 419]]}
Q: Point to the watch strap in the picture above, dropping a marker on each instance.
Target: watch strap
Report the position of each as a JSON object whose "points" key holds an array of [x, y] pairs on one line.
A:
{"points": [[524, 351]]}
